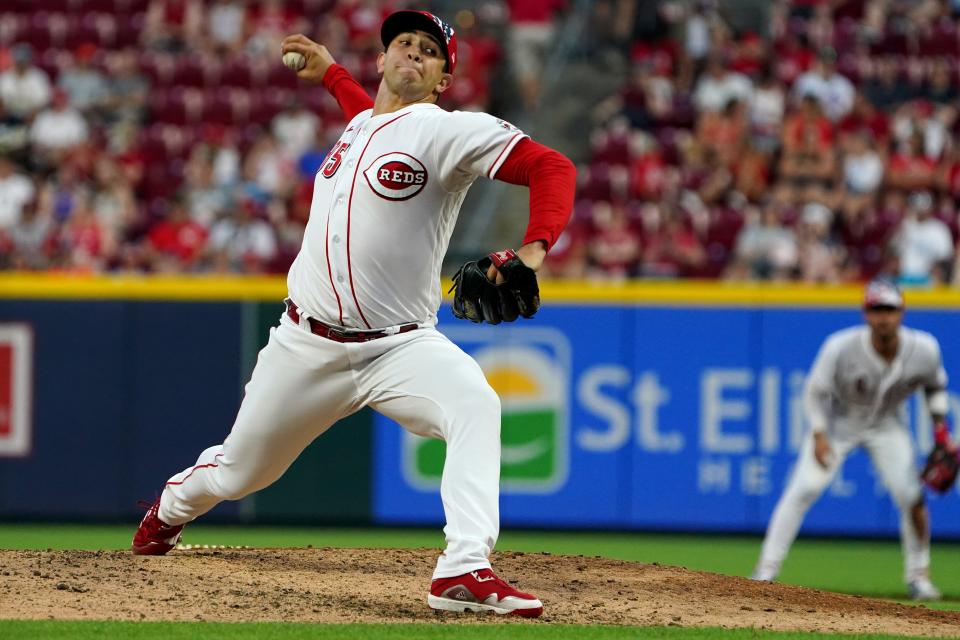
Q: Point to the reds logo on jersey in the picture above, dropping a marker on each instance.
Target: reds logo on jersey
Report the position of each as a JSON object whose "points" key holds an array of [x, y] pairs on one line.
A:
{"points": [[396, 176]]}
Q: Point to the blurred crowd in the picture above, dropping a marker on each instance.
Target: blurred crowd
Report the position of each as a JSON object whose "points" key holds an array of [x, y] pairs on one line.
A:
{"points": [[821, 147], [166, 136], [817, 144]]}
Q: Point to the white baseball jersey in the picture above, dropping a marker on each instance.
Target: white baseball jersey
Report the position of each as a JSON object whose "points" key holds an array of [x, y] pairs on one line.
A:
{"points": [[858, 395], [852, 388], [384, 207]]}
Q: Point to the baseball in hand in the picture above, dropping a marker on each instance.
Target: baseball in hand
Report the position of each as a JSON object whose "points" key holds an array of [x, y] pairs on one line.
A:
{"points": [[294, 60]]}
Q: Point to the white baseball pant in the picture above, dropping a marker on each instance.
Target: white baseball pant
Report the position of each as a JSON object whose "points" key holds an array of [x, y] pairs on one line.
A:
{"points": [[303, 383], [891, 452]]}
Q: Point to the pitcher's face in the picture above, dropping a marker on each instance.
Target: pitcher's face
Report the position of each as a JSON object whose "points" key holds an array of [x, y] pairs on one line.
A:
{"points": [[413, 66]]}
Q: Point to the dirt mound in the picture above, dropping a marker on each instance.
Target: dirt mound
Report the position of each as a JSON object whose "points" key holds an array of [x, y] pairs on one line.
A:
{"points": [[389, 585]]}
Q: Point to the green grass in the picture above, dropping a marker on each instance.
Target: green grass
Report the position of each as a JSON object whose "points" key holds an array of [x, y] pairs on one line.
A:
{"points": [[13, 630]]}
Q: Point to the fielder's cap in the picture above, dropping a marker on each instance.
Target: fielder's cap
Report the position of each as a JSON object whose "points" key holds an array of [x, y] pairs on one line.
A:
{"points": [[23, 52], [401, 21], [920, 201], [816, 213], [828, 55], [882, 293]]}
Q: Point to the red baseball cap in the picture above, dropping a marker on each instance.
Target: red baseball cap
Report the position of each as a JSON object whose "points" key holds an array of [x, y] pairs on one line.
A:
{"points": [[401, 21]]}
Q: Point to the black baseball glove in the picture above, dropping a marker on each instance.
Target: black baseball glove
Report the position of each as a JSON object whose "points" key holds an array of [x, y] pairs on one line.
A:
{"points": [[478, 299]]}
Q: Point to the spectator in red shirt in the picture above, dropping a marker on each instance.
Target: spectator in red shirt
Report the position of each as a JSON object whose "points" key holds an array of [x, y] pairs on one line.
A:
{"points": [[647, 170], [910, 168], [865, 115], [672, 249], [750, 56], [723, 132], [948, 178], [808, 154], [177, 241], [270, 22], [613, 250], [172, 25], [81, 241], [793, 58], [363, 18]]}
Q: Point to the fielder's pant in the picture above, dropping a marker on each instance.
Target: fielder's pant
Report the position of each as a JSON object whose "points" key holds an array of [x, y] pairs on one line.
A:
{"points": [[302, 384], [891, 452]]}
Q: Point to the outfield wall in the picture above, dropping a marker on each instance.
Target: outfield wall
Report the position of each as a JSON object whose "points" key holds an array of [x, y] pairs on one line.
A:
{"points": [[647, 406]]}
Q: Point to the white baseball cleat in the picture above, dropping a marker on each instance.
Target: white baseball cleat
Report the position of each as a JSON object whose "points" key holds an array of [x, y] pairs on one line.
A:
{"points": [[482, 590], [923, 589]]}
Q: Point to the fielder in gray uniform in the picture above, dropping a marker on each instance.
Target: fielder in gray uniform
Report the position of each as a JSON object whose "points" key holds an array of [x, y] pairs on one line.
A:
{"points": [[854, 397]]}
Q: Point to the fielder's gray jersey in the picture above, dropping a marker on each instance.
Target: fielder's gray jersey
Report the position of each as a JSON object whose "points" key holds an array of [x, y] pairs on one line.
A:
{"points": [[852, 388]]}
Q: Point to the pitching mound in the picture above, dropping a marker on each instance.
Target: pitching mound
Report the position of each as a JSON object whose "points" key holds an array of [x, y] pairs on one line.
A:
{"points": [[390, 585]]}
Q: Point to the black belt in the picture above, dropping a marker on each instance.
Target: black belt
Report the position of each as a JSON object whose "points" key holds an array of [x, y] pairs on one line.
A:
{"points": [[339, 335]]}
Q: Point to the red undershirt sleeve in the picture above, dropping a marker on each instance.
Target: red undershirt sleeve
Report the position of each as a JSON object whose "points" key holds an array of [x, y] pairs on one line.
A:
{"points": [[552, 180], [349, 94]]}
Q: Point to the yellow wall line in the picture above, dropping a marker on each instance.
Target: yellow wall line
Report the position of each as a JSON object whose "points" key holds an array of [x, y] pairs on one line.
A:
{"points": [[49, 286]]}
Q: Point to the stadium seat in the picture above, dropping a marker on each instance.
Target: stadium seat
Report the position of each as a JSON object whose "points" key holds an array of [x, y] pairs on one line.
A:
{"points": [[276, 101], [81, 31], [667, 139], [260, 109], [85, 7], [218, 109], [171, 107], [891, 43], [845, 35], [582, 210], [280, 77], [132, 6], [151, 143], [596, 182], [848, 65], [236, 73], [11, 25], [683, 114], [189, 71], [37, 33], [129, 28], [58, 6], [615, 149], [942, 41], [98, 28], [159, 67]]}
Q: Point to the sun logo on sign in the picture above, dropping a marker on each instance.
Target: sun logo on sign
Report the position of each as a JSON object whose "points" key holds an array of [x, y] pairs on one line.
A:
{"points": [[396, 176]]}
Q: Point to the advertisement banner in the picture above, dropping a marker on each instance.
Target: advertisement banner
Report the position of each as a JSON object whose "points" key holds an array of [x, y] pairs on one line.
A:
{"points": [[16, 390], [657, 418]]}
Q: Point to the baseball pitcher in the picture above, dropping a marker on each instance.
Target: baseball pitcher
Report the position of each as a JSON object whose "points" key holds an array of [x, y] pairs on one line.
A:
{"points": [[359, 328], [854, 398]]}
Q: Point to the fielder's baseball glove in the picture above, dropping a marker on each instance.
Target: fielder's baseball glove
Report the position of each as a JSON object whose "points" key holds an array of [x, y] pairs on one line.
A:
{"points": [[940, 471], [478, 299]]}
